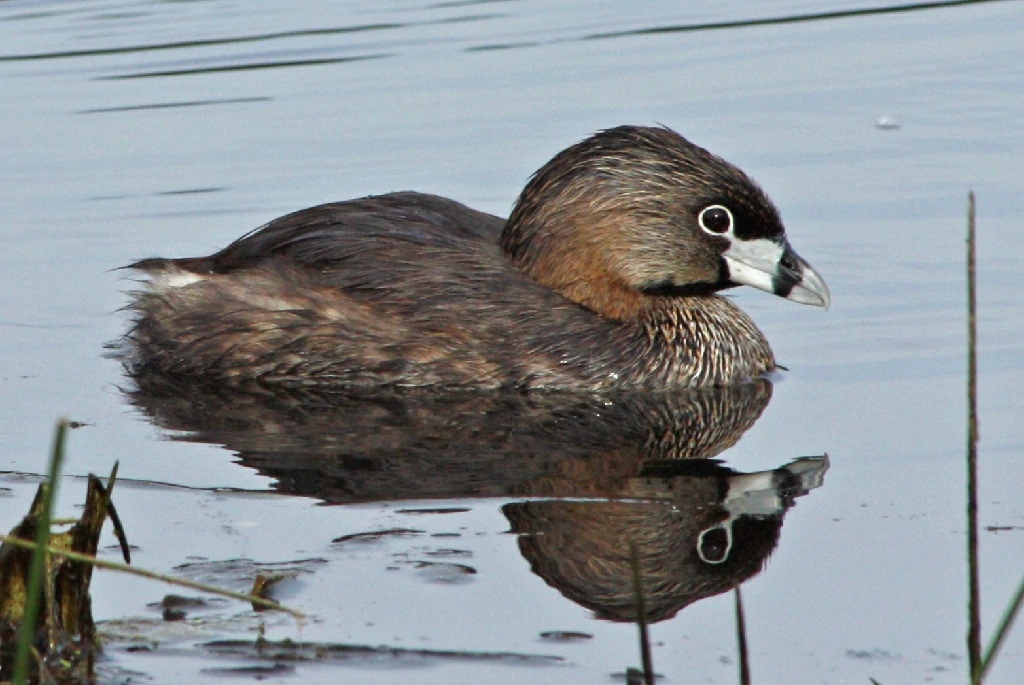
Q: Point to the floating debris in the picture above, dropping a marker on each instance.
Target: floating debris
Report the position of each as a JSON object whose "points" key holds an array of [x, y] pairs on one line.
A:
{"points": [[252, 672], [263, 582], [449, 552], [443, 572], [876, 654], [634, 676], [291, 651], [565, 636], [374, 535], [244, 573], [176, 607]]}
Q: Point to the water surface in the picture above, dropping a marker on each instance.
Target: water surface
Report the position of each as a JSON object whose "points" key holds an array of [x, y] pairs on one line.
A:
{"points": [[133, 129]]}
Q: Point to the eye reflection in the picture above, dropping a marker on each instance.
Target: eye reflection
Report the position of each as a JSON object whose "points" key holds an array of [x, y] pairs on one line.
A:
{"points": [[715, 219], [713, 545]]}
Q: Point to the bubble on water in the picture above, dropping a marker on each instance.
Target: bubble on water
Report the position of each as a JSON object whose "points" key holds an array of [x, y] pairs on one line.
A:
{"points": [[888, 123]]}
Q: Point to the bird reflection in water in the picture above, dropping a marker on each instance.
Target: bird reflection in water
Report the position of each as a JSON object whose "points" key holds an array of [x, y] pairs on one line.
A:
{"points": [[589, 474], [700, 529]]}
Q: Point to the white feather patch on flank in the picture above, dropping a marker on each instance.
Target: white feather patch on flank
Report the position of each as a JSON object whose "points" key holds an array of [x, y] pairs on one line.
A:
{"points": [[175, 278]]}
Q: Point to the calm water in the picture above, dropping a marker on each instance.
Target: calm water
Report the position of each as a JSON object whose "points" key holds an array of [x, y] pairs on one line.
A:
{"points": [[132, 129]]}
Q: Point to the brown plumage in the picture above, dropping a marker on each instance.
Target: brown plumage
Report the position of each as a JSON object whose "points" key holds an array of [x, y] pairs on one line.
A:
{"points": [[603, 277]]}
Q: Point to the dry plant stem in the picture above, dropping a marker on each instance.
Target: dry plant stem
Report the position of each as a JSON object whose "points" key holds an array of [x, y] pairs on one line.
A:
{"points": [[979, 664], [741, 639], [641, 616], [36, 580], [111, 514], [44, 675], [115, 566], [974, 593]]}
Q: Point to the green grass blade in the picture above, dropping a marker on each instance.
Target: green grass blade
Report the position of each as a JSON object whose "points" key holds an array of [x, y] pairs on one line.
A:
{"points": [[38, 570], [1003, 629]]}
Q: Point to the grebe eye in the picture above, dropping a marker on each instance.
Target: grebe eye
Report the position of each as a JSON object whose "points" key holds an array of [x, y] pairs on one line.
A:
{"points": [[715, 219]]}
